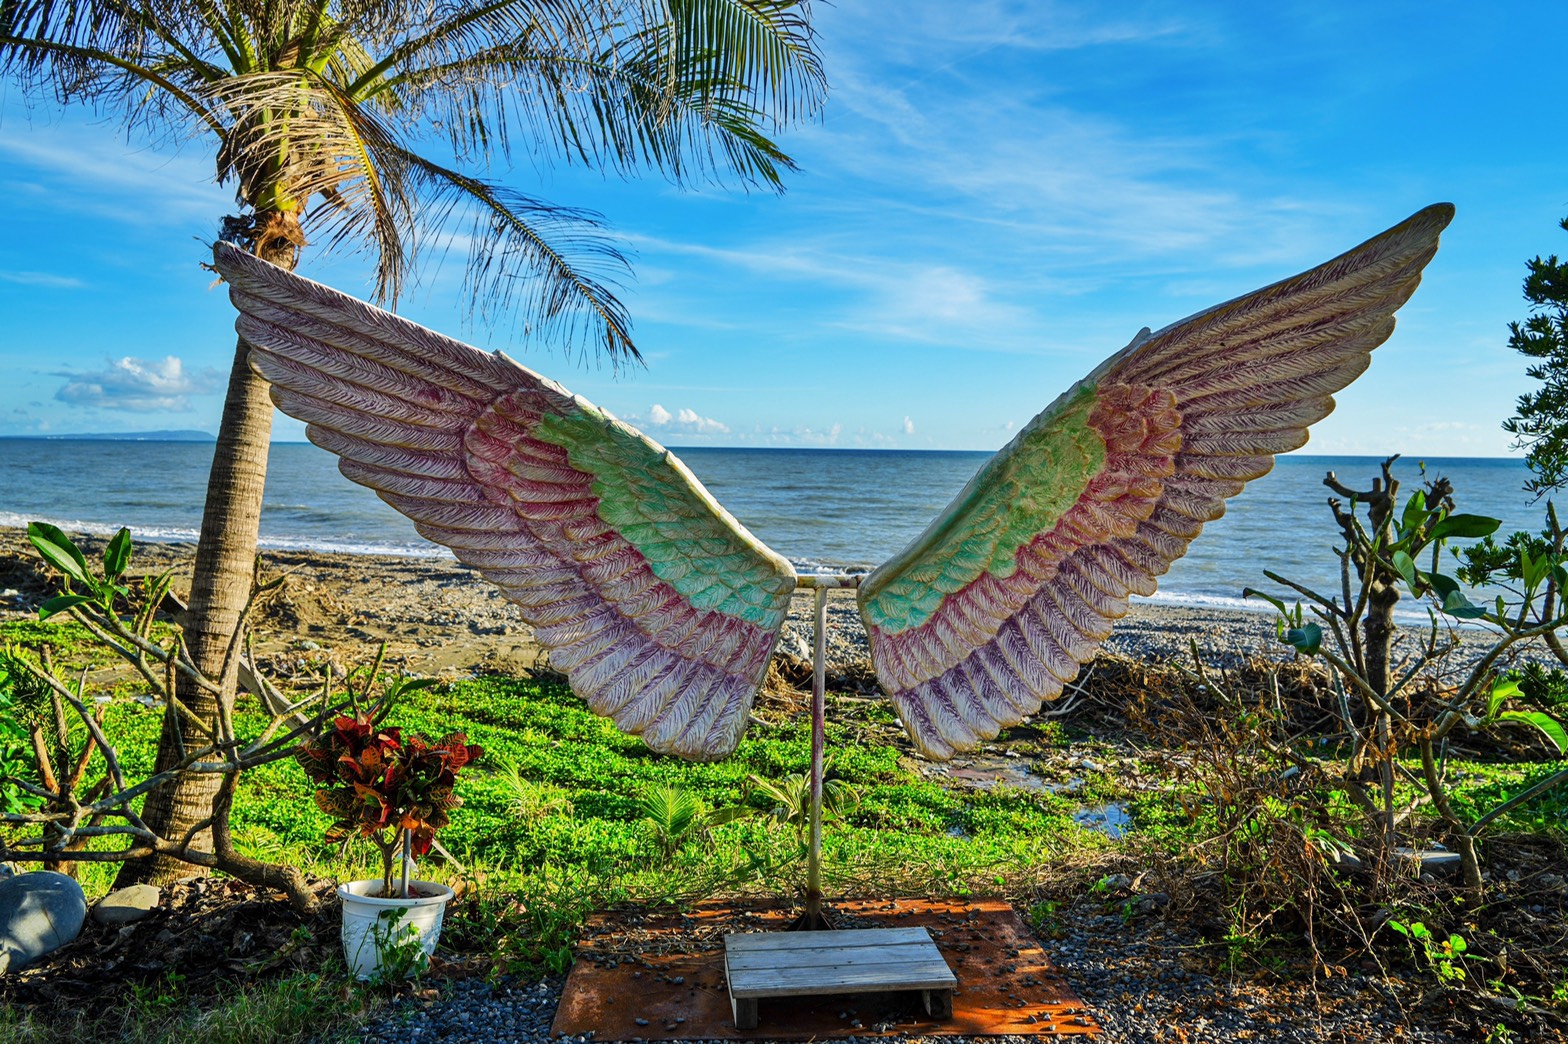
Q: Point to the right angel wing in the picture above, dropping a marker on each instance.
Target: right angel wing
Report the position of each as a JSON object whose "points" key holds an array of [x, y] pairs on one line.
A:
{"points": [[994, 608], [660, 607]]}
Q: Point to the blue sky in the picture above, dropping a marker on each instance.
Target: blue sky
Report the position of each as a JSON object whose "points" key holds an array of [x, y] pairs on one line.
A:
{"points": [[997, 196]]}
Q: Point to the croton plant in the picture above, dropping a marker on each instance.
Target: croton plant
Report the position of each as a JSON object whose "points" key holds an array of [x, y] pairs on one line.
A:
{"points": [[382, 785]]}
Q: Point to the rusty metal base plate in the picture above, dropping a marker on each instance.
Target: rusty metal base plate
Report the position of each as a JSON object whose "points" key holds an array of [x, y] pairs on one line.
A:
{"points": [[660, 976]]}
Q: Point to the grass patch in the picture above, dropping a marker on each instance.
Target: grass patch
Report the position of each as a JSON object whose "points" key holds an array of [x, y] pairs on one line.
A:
{"points": [[283, 1011]]}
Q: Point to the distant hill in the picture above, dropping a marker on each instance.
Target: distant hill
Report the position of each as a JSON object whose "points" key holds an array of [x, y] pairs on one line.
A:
{"points": [[125, 436]]}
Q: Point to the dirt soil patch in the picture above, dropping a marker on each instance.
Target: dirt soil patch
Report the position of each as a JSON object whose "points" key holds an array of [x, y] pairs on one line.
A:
{"points": [[661, 977], [205, 932]]}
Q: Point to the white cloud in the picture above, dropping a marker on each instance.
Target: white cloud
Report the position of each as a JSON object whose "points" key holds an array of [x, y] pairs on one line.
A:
{"points": [[959, 33], [685, 420], [139, 386], [909, 426], [806, 435], [89, 169]]}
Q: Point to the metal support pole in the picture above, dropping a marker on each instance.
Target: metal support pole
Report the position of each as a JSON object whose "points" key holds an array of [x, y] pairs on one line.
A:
{"points": [[819, 727], [813, 918]]}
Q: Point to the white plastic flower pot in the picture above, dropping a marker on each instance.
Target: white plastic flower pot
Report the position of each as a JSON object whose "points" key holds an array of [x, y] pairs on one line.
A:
{"points": [[391, 938]]}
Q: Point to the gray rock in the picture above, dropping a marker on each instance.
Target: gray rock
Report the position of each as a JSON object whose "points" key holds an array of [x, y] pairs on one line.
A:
{"points": [[39, 913], [1147, 904], [127, 904]]}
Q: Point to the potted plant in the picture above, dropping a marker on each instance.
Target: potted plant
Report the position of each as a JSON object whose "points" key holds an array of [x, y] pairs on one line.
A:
{"points": [[397, 791]]}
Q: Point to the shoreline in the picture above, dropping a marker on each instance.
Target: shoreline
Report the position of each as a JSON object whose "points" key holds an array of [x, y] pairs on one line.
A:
{"points": [[439, 616]]}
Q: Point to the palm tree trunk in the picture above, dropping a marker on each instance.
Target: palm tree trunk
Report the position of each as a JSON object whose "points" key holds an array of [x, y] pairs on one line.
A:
{"points": [[225, 565]]}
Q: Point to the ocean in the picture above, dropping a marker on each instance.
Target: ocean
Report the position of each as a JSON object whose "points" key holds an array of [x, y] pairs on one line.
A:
{"points": [[823, 509]]}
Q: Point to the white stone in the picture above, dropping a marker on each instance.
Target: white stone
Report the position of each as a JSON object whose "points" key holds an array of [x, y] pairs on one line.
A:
{"points": [[128, 904]]}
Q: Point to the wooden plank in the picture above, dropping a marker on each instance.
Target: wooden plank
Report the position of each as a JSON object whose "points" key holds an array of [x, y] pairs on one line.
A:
{"points": [[840, 938], [841, 979], [811, 974], [915, 971], [906, 953]]}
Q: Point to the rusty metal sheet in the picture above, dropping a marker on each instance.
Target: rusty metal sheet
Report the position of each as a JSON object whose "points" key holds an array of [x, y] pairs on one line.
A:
{"points": [[660, 976]]}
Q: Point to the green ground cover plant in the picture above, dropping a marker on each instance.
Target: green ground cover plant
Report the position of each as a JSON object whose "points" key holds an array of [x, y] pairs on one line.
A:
{"points": [[586, 786]]}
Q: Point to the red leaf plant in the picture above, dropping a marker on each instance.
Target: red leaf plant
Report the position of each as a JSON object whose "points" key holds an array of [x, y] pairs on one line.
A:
{"points": [[380, 784]]}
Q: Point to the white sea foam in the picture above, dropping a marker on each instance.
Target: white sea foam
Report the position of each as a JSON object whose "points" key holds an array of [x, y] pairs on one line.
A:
{"points": [[1406, 613], [1205, 601], [157, 534], [813, 567], [180, 535]]}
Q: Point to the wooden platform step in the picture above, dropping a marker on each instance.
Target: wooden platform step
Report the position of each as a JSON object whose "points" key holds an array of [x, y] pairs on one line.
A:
{"points": [[864, 960]]}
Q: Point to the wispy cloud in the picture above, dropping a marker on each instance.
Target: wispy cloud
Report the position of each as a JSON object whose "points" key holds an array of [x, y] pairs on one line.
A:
{"points": [[43, 279], [139, 386], [930, 302], [800, 435], [126, 184]]}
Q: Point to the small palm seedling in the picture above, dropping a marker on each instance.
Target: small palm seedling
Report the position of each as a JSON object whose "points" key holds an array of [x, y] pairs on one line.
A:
{"points": [[532, 800], [672, 815], [791, 797], [675, 816]]}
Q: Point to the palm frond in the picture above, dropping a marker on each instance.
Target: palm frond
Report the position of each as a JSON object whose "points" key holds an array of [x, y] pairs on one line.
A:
{"points": [[760, 48], [544, 263], [298, 134], [644, 88]]}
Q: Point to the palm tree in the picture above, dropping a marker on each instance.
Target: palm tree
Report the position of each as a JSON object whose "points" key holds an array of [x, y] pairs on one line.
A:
{"points": [[325, 115]]}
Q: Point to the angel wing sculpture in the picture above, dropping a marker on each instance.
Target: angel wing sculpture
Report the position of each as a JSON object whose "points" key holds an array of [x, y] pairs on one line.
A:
{"points": [[664, 611]]}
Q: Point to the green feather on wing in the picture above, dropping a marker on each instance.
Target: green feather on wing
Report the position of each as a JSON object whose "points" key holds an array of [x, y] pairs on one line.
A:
{"points": [[691, 542], [1017, 495]]}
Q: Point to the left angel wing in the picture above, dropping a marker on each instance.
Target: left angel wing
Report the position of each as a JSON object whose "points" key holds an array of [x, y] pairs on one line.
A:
{"points": [[1015, 585], [660, 607]]}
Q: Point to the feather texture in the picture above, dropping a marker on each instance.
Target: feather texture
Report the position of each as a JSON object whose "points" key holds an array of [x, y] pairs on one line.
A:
{"points": [[994, 608], [583, 522]]}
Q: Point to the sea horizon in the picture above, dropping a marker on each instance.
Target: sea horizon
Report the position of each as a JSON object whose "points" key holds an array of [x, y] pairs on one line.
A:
{"points": [[191, 436]]}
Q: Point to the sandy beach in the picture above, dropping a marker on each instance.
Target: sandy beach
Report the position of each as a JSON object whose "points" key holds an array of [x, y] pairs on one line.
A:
{"points": [[439, 617]]}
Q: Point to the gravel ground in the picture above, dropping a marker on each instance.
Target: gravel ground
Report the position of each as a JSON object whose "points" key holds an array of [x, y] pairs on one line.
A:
{"points": [[1142, 979]]}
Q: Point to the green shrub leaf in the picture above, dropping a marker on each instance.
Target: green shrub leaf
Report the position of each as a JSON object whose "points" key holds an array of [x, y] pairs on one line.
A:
{"points": [[1549, 726], [1466, 527], [60, 604], [58, 550], [117, 555], [1308, 638], [1406, 567]]}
